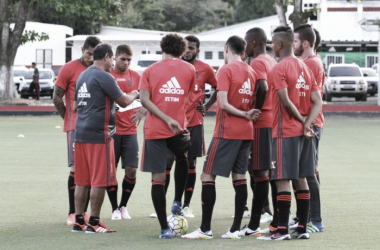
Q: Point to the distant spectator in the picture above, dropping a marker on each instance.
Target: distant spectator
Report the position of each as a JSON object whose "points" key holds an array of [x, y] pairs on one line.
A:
{"points": [[34, 85]]}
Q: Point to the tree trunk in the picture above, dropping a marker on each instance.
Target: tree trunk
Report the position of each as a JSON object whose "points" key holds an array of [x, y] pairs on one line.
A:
{"points": [[298, 17], [9, 43], [281, 9]]}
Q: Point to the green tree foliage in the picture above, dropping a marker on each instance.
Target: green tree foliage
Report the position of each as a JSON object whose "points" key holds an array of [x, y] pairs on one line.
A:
{"points": [[252, 9], [84, 16]]}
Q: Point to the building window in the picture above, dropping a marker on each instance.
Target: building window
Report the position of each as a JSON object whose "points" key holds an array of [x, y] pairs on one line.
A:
{"points": [[221, 55], [144, 52], [44, 58], [313, 8], [208, 55], [336, 59], [370, 60], [158, 52]]}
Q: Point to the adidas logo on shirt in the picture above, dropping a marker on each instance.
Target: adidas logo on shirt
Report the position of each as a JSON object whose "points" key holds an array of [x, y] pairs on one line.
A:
{"points": [[301, 83], [246, 88], [83, 93], [172, 87]]}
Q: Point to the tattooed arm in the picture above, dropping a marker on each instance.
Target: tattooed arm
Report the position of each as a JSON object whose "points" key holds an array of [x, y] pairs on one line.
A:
{"points": [[58, 101]]}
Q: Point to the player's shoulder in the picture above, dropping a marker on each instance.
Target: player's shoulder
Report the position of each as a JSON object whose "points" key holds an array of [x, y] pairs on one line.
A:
{"points": [[133, 73]]}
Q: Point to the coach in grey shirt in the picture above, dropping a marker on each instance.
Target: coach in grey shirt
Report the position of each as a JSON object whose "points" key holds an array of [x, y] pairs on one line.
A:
{"points": [[96, 92]]}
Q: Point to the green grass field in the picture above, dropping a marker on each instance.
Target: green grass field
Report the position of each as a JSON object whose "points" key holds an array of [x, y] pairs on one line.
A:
{"points": [[34, 193]]}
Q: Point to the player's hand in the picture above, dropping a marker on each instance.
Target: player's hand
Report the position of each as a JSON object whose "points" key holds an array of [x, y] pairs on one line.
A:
{"points": [[135, 93], [200, 107], [136, 117], [308, 132], [252, 114], [174, 126]]}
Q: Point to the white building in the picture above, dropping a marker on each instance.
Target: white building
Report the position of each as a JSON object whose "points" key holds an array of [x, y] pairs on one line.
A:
{"points": [[49, 53]]}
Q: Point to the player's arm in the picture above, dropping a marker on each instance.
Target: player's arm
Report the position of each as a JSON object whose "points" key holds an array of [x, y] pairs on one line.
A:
{"points": [[261, 93], [211, 101], [75, 106], [225, 106], [126, 99], [174, 126], [58, 100], [289, 106], [315, 108]]}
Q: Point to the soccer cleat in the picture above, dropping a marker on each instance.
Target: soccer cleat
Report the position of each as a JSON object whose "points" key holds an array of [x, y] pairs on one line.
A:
{"points": [[198, 234], [187, 212], [86, 217], [70, 219], [268, 230], [293, 220], [314, 227], [278, 236], [294, 227], [100, 228], [116, 215], [246, 231], [176, 208], [266, 218], [166, 234], [124, 213], [153, 215], [78, 227], [233, 236], [302, 236]]}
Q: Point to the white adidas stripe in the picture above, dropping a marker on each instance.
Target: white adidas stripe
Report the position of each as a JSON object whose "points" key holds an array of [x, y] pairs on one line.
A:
{"points": [[176, 84]]}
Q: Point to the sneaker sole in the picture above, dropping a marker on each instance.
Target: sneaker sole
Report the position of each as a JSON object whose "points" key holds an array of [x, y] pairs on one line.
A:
{"points": [[116, 218]]}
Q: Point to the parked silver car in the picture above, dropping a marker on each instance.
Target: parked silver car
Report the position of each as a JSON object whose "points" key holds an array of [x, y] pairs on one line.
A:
{"points": [[46, 80], [372, 80]]}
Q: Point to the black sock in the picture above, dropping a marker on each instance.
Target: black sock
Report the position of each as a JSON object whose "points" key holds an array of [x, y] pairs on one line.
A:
{"points": [[79, 219], [88, 200], [252, 182], [189, 188], [71, 189], [283, 205], [112, 195], [273, 187], [260, 196], [303, 204], [266, 208], [295, 197], [128, 186], [159, 202], [180, 176], [315, 199], [167, 182], [208, 202], [241, 194], [94, 221]]}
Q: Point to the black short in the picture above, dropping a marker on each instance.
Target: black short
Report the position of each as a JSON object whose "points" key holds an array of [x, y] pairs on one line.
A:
{"points": [[126, 148], [318, 133], [261, 150], [293, 158], [224, 156], [197, 148], [155, 152], [70, 147]]}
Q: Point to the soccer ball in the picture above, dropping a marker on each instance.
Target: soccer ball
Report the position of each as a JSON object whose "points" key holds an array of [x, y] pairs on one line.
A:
{"points": [[178, 224]]}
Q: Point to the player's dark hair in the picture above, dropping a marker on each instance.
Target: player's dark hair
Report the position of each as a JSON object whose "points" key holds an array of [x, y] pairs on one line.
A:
{"points": [[101, 50], [237, 45], [317, 39], [33, 63], [173, 44], [258, 35], [285, 33], [91, 42], [124, 49], [193, 39], [306, 33]]}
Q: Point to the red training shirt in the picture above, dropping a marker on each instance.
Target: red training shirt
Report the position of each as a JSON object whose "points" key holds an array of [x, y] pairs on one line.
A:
{"points": [[238, 79], [263, 65], [67, 77], [293, 74], [169, 82], [204, 74], [127, 82], [316, 66]]}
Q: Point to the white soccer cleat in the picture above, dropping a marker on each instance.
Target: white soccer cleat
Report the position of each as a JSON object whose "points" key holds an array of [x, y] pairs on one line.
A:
{"points": [[187, 212], [124, 213], [233, 236], [198, 234], [153, 215], [116, 215], [266, 218], [246, 231]]}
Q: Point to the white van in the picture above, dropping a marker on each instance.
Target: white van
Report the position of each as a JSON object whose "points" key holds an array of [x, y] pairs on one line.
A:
{"points": [[145, 61]]}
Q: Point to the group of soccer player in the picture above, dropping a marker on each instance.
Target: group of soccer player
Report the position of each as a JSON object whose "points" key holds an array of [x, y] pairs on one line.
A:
{"points": [[268, 121]]}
